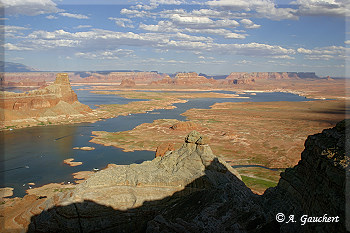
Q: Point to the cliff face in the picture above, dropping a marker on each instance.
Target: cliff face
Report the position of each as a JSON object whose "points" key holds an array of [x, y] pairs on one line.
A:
{"points": [[127, 83], [249, 78], [186, 79], [191, 190], [317, 185], [138, 77], [55, 99]]}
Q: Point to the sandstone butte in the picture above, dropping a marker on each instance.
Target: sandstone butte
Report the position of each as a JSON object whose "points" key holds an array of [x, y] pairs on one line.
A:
{"points": [[115, 77], [192, 190], [127, 83], [185, 79], [46, 103], [235, 78]]}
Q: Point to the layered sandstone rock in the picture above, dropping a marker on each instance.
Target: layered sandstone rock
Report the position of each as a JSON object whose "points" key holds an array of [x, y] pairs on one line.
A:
{"points": [[185, 126], [125, 198], [163, 148], [127, 83], [250, 78], [186, 79], [138, 77], [55, 99], [17, 77]]}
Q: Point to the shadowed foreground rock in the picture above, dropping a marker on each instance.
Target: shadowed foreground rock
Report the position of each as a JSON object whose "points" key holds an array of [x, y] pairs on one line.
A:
{"points": [[191, 190]]}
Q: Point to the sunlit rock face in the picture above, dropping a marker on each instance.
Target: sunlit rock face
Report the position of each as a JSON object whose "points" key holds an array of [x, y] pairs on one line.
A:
{"points": [[55, 99]]}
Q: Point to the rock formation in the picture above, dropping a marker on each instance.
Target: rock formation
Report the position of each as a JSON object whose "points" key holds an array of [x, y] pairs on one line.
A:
{"points": [[250, 78], [138, 77], [185, 126], [49, 101], [127, 83], [192, 190], [186, 79], [163, 148], [317, 185]]}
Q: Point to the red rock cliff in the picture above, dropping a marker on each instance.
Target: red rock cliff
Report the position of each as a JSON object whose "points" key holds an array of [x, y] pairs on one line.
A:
{"points": [[55, 99]]}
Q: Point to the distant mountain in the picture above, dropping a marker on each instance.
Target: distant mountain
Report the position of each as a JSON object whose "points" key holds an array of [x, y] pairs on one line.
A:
{"points": [[15, 67]]}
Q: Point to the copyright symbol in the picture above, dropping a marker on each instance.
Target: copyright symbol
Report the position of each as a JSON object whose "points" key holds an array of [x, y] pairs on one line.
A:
{"points": [[280, 217]]}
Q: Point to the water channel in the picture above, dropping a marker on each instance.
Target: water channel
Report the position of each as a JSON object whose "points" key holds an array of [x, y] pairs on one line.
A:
{"points": [[36, 154]]}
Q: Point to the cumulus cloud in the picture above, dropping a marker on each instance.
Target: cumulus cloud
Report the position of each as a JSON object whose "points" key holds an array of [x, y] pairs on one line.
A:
{"points": [[262, 8], [12, 47], [319, 57], [249, 24], [202, 22], [135, 13], [98, 40], [76, 16], [122, 22], [347, 42], [29, 7], [12, 31], [323, 7], [51, 17], [105, 55], [335, 50], [83, 26], [166, 2], [166, 26], [255, 49]]}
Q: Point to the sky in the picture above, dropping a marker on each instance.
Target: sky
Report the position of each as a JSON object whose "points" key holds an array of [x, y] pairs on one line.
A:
{"points": [[205, 36]]}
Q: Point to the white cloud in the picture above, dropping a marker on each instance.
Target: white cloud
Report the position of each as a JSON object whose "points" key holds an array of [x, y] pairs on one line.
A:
{"points": [[255, 49], [262, 8], [166, 2], [202, 22], [243, 62], [323, 7], [12, 47], [83, 26], [347, 42], [97, 40], [135, 13], [167, 26], [12, 31], [51, 17], [335, 50], [122, 22], [319, 57], [76, 16], [29, 7], [105, 55], [249, 24], [283, 57]]}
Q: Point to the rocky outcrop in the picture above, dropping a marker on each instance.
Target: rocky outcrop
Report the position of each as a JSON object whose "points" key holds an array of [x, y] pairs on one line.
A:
{"points": [[192, 190], [185, 126], [163, 148], [186, 79], [138, 77], [126, 198], [16, 77], [25, 83], [127, 83], [317, 185], [250, 78], [55, 99]]}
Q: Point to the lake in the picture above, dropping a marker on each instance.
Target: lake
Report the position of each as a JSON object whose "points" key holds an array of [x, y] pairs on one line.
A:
{"points": [[36, 154]]}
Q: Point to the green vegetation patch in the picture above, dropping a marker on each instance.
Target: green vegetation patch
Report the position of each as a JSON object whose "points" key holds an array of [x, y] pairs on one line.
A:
{"points": [[258, 183]]}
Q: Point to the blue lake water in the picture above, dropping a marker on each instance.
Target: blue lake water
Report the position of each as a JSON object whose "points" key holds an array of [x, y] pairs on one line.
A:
{"points": [[36, 154]]}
